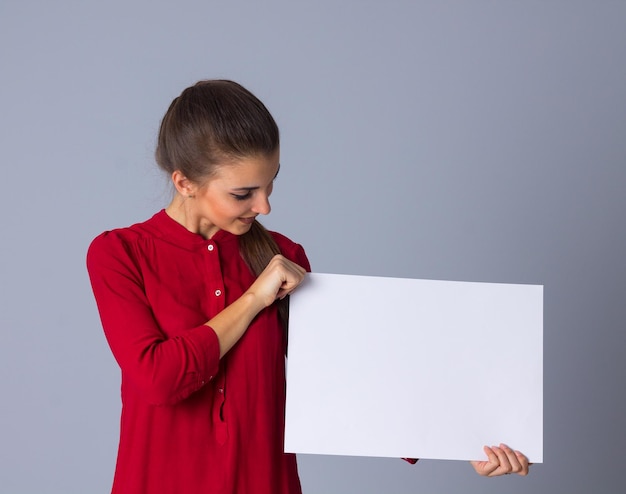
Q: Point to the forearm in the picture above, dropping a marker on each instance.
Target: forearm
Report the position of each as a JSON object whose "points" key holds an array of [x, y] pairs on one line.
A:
{"points": [[279, 279], [166, 371], [169, 370], [232, 322]]}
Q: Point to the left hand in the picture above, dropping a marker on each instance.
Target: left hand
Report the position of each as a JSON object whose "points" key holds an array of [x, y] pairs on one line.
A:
{"points": [[502, 460]]}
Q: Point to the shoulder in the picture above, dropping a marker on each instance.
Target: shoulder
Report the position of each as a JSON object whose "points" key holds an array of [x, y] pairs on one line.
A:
{"points": [[120, 239], [119, 245], [285, 244], [291, 250]]}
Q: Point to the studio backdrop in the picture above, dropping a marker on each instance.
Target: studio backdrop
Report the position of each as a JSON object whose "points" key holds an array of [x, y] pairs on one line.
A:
{"points": [[450, 140]]}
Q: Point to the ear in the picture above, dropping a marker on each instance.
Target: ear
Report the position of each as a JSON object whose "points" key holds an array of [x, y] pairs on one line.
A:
{"points": [[183, 185]]}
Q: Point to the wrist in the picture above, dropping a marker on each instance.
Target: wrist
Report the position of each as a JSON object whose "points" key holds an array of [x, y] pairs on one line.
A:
{"points": [[250, 301]]}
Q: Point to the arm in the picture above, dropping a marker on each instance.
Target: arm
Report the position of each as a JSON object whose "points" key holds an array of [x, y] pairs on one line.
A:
{"points": [[167, 370], [279, 279]]}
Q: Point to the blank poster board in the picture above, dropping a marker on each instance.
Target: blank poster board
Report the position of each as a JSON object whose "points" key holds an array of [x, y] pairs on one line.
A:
{"points": [[393, 367]]}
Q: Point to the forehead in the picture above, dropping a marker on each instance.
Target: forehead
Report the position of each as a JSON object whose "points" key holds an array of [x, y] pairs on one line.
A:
{"points": [[252, 171]]}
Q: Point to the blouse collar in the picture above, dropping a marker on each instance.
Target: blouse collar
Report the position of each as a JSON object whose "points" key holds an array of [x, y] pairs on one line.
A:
{"points": [[178, 234]]}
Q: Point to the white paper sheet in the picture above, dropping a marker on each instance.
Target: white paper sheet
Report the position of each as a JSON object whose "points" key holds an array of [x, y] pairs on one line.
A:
{"points": [[414, 368]]}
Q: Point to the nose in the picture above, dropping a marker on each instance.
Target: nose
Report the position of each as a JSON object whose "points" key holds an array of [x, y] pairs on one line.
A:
{"points": [[262, 204]]}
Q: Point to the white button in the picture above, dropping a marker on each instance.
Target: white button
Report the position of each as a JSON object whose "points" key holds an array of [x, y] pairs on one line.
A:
{"points": [[210, 247], [221, 390], [218, 293]]}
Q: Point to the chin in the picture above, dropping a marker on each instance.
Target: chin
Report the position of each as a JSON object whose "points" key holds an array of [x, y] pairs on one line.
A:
{"points": [[239, 229]]}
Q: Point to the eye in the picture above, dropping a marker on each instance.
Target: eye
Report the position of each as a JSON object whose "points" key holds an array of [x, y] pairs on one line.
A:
{"points": [[242, 197]]}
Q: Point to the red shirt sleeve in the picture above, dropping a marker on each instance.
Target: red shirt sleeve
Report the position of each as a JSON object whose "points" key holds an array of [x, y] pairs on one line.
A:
{"points": [[165, 370], [292, 251]]}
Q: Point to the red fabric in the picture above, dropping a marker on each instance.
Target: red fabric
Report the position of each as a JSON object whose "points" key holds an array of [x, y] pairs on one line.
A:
{"points": [[191, 423]]}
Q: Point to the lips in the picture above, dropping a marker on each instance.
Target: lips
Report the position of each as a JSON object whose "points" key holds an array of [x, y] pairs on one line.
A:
{"points": [[248, 221]]}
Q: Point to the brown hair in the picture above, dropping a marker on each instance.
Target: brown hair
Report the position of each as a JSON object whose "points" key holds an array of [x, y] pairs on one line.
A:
{"points": [[209, 124]]}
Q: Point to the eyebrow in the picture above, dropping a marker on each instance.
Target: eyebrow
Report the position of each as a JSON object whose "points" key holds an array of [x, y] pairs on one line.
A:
{"points": [[247, 189]]}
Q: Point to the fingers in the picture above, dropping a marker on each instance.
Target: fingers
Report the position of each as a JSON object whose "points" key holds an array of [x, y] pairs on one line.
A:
{"points": [[486, 468], [278, 279], [523, 462], [292, 275], [501, 460], [509, 461], [504, 461]]}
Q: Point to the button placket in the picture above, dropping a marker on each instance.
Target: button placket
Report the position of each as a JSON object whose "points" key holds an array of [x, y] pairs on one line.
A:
{"points": [[218, 291]]}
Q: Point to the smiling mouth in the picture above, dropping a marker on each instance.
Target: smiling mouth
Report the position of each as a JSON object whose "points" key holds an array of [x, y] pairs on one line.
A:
{"points": [[248, 221]]}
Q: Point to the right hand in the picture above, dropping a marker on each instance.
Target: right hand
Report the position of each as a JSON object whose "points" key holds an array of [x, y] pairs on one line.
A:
{"points": [[278, 279]]}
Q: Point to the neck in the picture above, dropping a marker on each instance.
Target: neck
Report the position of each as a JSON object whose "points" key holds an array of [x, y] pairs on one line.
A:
{"points": [[181, 210]]}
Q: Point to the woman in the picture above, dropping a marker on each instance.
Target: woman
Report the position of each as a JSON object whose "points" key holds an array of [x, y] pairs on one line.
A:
{"points": [[193, 306]]}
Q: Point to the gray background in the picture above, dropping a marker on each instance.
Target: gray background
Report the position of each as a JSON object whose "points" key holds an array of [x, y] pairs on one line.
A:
{"points": [[481, 141]]}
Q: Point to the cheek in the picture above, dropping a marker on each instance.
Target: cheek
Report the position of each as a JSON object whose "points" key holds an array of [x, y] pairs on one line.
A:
{"points": [[223, 209], [229, 210]]}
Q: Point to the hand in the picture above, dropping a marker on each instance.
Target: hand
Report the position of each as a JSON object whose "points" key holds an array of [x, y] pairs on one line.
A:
{"points": [[278, 279], [502, 460]]}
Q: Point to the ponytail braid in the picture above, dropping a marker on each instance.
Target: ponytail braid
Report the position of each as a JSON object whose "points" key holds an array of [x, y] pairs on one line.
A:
{"points": [[257, 247]]}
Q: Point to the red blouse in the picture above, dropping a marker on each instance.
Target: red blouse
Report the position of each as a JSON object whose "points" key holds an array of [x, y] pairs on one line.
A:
{"points": [[191, 423]]}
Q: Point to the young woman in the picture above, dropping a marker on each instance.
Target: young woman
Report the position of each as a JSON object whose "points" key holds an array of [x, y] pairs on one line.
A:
{"points": [[193, 305]]}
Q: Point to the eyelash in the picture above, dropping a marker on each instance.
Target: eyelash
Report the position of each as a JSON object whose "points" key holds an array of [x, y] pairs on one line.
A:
{"points": [[242, 197], [247, 195]]}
